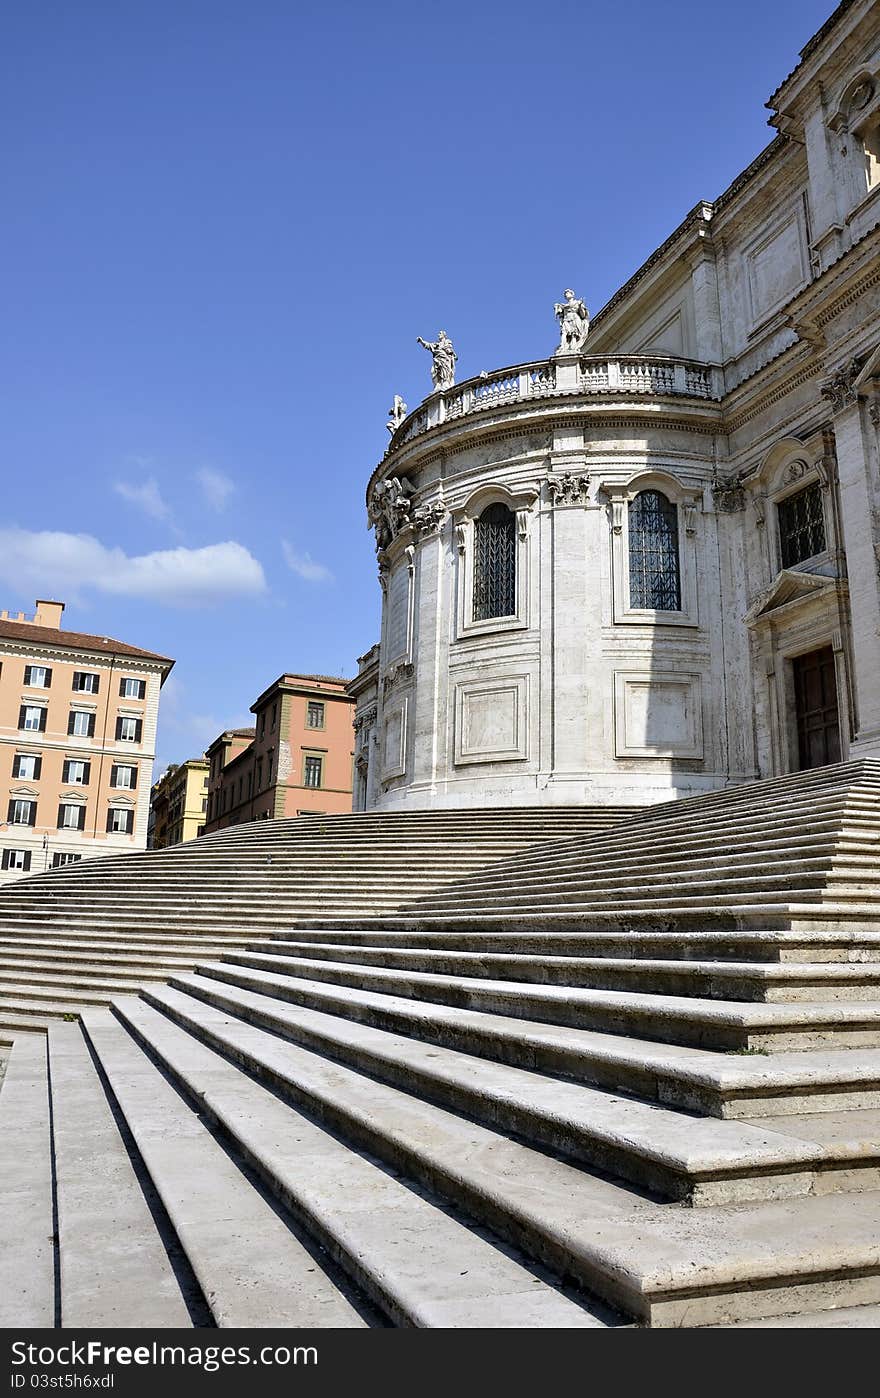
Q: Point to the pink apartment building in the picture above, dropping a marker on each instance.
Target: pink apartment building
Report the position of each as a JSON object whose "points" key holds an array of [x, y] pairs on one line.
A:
{"points": [[296, 760], [78, 718]]}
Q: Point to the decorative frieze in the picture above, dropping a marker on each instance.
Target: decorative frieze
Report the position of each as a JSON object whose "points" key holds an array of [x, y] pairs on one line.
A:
{"points": [[397, 675], [428, 519]]}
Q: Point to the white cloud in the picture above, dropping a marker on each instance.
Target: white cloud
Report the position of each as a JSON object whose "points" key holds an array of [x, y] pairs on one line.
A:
{"points": [[216, 487], [184, 732], [146, 497], [304, 565], [54, 562]]}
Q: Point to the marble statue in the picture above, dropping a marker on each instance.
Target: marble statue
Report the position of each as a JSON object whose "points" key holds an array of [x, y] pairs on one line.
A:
{"points": [[443, 367], [396, 414], [574, 323]]}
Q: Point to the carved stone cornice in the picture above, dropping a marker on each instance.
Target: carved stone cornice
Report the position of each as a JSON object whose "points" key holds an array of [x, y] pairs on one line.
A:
{"points": [[840, 389], [397, 675], [428, 519], [389, 508], [568, 489], [366, 718]]}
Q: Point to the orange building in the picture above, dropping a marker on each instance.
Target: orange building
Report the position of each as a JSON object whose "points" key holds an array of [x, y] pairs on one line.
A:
{"points": [[297, 760], [78, 720]]}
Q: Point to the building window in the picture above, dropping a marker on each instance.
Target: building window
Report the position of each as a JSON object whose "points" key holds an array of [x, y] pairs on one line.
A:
{"points": [[37, 676], [32, 718], [274, 714], [315, 714], [120, 820], [801, 526], [75, 772], [17, 859], [495, 563], [259, 777], [204, 803], [80, 724], [84, 682], [71, 817], [63, 857], [312, 768], [132, 689], [654, 581], [21, 812], [26, 766], [123, 778], [128, 730]]}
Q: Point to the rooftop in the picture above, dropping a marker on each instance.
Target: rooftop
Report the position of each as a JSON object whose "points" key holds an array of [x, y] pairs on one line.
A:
{"points": [[29, 632]]}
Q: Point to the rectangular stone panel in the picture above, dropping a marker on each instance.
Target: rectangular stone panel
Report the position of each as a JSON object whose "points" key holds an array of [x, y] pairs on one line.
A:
{"points": [[394, 741], [397, 613], [491, 720], [776, 268], [658, 714]]}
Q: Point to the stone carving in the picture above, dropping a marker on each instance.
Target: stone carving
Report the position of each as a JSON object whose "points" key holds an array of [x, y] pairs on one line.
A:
{"points": [[461, 537], [444, 360], [389, 508], [840, 388], [574, 323], [396, 414], [568, 489], [759, 505], [689, 512], [397, 674], [728, 496], [366, 718], [427, 519]]}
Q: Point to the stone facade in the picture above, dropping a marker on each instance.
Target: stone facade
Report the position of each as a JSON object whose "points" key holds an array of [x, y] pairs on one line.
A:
{"points": [[733, 384]]}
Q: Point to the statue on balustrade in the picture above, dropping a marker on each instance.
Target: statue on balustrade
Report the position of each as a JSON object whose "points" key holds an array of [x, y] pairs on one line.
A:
{"points": [[443, 367], [574, 323], [396, 414]]}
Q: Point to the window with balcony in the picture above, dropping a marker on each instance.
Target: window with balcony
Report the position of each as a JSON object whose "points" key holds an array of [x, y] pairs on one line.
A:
{"points": [[120, 820], [27, 766], [37, 676], [18, 859], [314, 714], [123, 778], [81, 724], [312, 771], [76, 772], [654, 576], [495, 563], [32, 718], [85, 682], [128, 730], [801, 519], [132, 689]]}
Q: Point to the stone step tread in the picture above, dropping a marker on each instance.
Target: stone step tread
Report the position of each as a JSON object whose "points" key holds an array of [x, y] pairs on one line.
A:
{"points": [[14, 1025], [840, 1318], [62, 989], [418, 959], [420, 1264], [93, 974], [660, 1262], [593, 1125], [253, 1269], [27, 1265], [734, 1072], [745, 1014], [114, 1268]]}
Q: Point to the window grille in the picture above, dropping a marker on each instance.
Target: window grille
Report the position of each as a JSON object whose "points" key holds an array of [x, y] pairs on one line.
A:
{"points": [[495, 563], [312, 771], [315, 715], [801, 526], [654, 582]]}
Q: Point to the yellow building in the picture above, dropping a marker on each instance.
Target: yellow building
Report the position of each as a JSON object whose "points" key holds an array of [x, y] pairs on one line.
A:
{"points": [[178, 802]]}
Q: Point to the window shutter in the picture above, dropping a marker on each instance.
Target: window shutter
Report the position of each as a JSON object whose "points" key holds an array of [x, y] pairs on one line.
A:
{"points": [[44, 714], [71, 720], [61, 817], [32, 813], [27, 860], [122, 689], [118, 729], [134, 779], [10, 812], [48, 678], [87, 772], [109, 822], [6, 853], [81, 822], [21, 716], [138, 729], [38, 767], [27, 674], [114, 774]]}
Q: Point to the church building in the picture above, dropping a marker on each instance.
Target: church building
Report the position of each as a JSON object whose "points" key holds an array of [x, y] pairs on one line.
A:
{"points": [[649, 566]]}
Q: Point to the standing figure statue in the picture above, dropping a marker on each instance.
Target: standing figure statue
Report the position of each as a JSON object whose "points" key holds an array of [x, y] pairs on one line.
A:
{"points": [[396, 414], [574, 323], [443, 367]]}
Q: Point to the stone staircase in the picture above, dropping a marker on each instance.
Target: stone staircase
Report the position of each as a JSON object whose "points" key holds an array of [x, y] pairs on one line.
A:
{"points": [[561, 1109]]}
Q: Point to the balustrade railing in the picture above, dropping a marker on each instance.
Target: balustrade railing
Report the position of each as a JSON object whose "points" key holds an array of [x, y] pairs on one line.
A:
{"points": [[563, 377]]}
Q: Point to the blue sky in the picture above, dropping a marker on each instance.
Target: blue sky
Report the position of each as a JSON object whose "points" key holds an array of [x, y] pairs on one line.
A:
{"points": [[226, 223]]}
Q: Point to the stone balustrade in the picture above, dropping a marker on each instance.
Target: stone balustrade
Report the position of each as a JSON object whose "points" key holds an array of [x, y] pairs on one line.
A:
{"points": [[657, 375]]}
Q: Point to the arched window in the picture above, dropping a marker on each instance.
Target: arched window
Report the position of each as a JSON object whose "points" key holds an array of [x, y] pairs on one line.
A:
{"points": [[654, 575], [495, 563]]}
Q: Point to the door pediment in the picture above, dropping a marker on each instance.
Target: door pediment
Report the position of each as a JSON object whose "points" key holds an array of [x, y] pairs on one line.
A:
{"points": [[790, 590]]}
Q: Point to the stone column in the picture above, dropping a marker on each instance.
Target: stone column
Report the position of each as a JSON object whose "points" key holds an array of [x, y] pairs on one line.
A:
{"points": [[860, 536]]}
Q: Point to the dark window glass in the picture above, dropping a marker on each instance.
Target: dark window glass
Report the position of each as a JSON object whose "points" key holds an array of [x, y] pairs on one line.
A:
{"points": [[801, 526], [654, 583], [315, 714], [495, 563], [312, 771]]}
